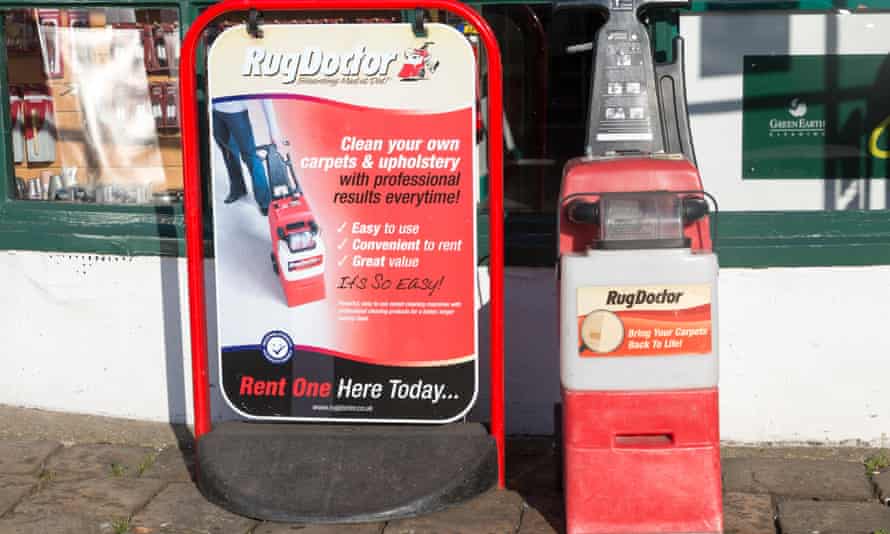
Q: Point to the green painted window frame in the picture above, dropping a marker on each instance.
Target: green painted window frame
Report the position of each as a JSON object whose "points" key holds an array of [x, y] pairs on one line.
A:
{"points": [[746, 239]]}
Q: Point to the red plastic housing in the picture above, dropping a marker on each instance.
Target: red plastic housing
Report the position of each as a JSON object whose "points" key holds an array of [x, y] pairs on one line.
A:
{"points": [[637, 462]]}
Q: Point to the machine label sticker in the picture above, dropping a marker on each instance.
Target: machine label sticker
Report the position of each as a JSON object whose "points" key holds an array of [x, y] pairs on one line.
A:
{"points": [[343, 172], [644, 320]]}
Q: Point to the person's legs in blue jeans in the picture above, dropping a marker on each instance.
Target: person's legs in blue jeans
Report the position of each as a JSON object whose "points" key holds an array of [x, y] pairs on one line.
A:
{"points": [[226, 142], [239, 124]]}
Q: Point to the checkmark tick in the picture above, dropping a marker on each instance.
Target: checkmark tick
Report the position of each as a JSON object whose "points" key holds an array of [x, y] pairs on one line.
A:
{"points": [[342, 243], [343, 260], [342, 226]]}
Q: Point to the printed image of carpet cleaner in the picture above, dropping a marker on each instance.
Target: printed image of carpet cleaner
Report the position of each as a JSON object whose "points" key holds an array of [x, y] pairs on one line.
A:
{"points": [[297, 248]]}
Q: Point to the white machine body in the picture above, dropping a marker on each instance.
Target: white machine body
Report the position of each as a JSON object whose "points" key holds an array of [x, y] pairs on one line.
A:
{"points": [[637, 308]]}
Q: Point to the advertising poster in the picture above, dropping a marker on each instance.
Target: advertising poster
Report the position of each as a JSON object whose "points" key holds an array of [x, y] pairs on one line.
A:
{"points": [[344, 221], [644, 320], [815, 116]]}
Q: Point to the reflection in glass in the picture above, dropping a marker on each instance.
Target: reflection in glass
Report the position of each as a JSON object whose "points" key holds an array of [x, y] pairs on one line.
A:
{"points": [[94, 104]]}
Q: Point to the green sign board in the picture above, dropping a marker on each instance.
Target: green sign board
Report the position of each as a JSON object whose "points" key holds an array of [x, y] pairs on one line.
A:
{"points": [[815, 116]]}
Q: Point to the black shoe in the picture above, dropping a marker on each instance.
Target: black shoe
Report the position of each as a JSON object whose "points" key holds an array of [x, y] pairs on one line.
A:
{"points": [[233, 197]]}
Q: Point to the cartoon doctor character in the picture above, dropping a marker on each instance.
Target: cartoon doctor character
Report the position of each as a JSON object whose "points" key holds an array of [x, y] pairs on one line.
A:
{"points": [[419, 64], [233, 133]]}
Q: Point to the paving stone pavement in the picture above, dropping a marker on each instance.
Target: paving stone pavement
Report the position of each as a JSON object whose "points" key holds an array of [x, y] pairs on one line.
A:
{"points": [[67, 524], [14, 488], [100, 460], [495, 512], [806, 517], [808, 479], [882, 484], [747, 513], [103, 499], [21, 457], [180, 507], [84, 488]]}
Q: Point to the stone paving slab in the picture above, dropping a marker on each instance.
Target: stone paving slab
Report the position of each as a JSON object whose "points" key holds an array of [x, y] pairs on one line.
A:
{"points": [[98, 460], [746, 513], [882, 482], [807, 517], [71, 428], [533, 522], [813, 452], [105, 499], [12, 489], [181, 508], [25, 457], [550, 506], [493, 512], [55, 524], [171, 464], [812, 479], [281, 528]]}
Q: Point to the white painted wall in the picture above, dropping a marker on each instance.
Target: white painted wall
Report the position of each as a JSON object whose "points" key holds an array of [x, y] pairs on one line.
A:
{"points": [[804, 351], [94, 334]]}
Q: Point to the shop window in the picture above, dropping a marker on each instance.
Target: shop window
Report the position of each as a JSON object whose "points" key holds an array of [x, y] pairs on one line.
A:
{"points": [[94, 105], [545, 99], [790, 129], [94, 149]]}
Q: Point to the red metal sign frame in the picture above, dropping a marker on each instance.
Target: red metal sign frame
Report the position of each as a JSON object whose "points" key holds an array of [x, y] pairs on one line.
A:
{"points": [[194, 224]]}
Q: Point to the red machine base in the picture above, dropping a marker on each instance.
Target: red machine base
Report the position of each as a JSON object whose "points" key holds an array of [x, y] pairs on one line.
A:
{"points": [[300, 292], [642, 462]]}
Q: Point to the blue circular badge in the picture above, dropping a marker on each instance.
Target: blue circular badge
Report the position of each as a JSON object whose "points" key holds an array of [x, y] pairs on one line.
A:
{"points": [[277, 347]]}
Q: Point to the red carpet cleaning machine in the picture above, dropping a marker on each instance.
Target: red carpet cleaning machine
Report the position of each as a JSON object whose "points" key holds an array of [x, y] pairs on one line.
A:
{"points": [[297, 248], [638, 299]]}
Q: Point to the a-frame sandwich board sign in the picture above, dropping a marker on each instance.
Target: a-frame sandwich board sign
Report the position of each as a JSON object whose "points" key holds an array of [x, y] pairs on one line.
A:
{"points": [[343, 189]]}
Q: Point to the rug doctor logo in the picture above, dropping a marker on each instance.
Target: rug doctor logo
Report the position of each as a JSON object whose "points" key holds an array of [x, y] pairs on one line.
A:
{"points": [[360, 66]]}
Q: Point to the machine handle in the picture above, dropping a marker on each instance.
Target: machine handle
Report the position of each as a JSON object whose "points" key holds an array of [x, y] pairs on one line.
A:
{"points": [[622, 42], [644, 441]]}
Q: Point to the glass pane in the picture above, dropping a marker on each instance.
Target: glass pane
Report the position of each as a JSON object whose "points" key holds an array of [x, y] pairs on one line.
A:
{"points": [[545, 98], [789, 110], [94, 104]]}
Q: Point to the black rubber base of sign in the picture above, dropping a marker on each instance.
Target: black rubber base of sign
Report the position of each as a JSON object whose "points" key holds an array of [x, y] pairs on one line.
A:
{"points": [[316, 473]]}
